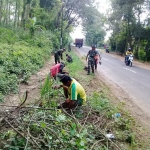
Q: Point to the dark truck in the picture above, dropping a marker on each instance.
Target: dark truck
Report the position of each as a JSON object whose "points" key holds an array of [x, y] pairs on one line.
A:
{"points": [[78, 42]]}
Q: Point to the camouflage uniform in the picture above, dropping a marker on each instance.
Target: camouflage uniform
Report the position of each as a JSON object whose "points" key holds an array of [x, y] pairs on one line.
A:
{"points": [[91, 60], [58, 55]]}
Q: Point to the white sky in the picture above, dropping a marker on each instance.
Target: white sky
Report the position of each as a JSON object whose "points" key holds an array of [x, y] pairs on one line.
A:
{"points": [[103, 5]]}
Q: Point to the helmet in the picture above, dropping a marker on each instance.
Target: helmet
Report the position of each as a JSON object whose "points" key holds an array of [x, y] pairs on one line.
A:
{"points": [[93, 46], [129, 49]]}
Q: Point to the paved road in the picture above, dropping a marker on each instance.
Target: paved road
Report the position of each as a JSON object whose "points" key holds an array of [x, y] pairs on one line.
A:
{"points": [[133, 80]]}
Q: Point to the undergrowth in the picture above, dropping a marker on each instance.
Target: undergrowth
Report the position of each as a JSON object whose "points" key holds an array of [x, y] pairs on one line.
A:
{"points": [[86, 128]]}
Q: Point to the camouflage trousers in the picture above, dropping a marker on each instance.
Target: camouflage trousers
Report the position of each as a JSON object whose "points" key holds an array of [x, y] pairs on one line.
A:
{"points": [[91, 64]]}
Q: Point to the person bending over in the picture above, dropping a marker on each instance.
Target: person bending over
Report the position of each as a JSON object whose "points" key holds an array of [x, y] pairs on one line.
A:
{"points": [[59, 55], [73, 91]]}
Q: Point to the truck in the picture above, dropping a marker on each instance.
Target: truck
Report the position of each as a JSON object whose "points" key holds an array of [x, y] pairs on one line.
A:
{"points": [[78, 42]]}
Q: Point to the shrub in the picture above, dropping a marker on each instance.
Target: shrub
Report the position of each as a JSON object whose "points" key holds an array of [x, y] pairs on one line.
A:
{"points": [[141, 55]]}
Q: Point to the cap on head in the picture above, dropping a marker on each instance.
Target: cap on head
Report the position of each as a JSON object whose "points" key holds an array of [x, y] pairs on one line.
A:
{"points": [[64, 49]]}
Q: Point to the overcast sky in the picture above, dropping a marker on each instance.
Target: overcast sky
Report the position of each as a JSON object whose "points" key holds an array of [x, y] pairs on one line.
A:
{"points": [[103, 5]]}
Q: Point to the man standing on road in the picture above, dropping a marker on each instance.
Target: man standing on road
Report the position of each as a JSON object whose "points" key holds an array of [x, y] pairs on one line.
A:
{"points": [[58, 55], [91, 59]]}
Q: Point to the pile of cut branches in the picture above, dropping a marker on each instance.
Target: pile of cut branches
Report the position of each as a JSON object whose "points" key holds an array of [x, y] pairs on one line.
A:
{"points": [[46, 127]]}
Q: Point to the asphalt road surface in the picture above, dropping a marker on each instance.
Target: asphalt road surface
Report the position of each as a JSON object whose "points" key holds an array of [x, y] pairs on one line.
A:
{"points": [[133, 80]]}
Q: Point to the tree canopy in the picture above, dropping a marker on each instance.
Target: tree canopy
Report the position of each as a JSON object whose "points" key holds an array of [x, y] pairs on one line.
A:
{"points": [[130, 28]]}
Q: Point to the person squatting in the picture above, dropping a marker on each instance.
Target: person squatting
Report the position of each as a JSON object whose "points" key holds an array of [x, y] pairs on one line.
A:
{"points": [[74, 92]]}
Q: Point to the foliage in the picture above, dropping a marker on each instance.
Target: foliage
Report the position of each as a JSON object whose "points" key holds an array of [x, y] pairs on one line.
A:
{"points": [[141, 55], [56, 129], [8, 36], [129, 27], [22, 58], [93, 23]]}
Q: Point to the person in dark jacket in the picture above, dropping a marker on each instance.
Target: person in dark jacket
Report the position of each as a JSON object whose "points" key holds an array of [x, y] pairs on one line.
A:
{"points": [[59, 55]]}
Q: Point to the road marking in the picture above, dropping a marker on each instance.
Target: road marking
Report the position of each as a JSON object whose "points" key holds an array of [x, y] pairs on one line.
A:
{"points": [[105, 59], [130, 70]]}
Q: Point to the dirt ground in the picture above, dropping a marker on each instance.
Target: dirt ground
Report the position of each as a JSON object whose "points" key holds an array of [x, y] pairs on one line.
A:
{"points": [[116, 94]]}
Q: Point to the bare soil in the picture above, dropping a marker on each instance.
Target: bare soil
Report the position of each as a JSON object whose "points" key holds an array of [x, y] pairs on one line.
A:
{"points": [[115, 94]]}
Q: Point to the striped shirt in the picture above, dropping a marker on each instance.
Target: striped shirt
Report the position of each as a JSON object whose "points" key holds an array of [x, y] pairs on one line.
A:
{"points": [[76, 91]]}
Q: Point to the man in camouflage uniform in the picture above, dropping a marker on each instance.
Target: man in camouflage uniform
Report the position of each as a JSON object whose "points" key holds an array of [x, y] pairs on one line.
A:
{"points": [[91, 59], [58, 55]]}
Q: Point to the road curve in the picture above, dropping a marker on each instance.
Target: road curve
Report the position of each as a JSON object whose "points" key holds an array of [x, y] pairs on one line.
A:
{"points": [[133, 80]]}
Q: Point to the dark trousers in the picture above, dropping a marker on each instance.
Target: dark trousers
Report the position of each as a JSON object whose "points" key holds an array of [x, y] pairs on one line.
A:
{"points": [[126, 58], [57, 59], [69, 105], [72, 103], [91, 64]]}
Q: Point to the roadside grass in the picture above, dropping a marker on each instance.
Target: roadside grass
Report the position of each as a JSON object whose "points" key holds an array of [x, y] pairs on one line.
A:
{"points": [[124, 127], [49, 128]]}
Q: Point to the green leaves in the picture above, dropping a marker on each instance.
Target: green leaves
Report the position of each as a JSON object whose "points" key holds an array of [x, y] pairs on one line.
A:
{"points": [[61, 118], [43, 125]]}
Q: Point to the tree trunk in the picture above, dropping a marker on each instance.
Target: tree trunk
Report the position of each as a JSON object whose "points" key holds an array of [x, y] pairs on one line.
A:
{"points": [[6, 18], [15, 17], [23, 21], [1, 12], [19, 13]]}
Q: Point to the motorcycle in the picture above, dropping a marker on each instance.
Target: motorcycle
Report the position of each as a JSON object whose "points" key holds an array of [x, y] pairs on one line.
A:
{"points": [[107, 50], [129, 60]]}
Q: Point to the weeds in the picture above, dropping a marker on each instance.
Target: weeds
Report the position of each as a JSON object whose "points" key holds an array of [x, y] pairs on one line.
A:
{"points": [[47, 127]]}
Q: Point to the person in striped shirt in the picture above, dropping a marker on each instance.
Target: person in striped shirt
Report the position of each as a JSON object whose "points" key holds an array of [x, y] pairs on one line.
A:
{"points": [[73, 91]]}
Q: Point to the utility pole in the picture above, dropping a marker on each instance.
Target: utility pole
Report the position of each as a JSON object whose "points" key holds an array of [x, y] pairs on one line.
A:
{"points": [[61, 30]]}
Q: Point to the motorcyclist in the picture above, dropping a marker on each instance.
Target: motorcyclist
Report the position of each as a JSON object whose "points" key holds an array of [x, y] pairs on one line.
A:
{"points": [[128, 52], [107, 49]]}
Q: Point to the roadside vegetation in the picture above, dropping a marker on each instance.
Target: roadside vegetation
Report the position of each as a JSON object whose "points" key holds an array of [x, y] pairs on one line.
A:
{"points": [[30, 30], [20, 57], [130, 28], [34, 127]]}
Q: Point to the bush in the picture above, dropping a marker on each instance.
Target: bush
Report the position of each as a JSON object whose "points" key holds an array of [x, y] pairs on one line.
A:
{"points": [[141, 55], [20, 57]]}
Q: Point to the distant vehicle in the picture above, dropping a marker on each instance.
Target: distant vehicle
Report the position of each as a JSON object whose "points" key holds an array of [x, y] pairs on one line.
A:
{"points": [[78, 42], [107, 49]]}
